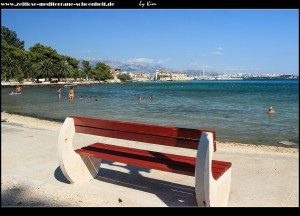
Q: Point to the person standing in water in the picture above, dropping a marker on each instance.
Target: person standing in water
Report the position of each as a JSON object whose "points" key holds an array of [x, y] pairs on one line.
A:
{"points": [[59, 92], [71, 93]]}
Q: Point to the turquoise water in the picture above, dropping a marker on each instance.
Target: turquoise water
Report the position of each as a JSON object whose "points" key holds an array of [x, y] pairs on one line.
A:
{"points": [[237, 110]]}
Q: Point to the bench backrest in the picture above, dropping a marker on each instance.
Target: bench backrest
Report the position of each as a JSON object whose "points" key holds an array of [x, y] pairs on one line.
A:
{"points": [[148, 133]]}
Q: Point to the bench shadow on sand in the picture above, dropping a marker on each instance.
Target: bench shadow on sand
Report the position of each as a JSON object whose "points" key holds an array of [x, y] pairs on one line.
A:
{"points": [[172, 194]]}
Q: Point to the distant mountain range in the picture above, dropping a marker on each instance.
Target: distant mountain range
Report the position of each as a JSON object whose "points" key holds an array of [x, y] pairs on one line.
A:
{"points": [[124, 66], [141, 66]]}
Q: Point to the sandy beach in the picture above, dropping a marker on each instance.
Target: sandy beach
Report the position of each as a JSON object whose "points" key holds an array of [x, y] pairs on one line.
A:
{"points": [[264, 176]]}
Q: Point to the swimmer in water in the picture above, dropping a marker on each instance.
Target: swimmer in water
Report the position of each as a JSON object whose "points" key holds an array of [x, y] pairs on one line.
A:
{"points": [[271, 110]]}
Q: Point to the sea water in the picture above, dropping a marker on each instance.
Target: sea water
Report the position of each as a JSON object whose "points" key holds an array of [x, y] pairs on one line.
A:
{"points": [[236, 110]]}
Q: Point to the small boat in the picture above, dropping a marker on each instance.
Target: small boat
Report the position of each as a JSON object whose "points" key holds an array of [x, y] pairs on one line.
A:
{"points": [[15, 93], [69, 85]]}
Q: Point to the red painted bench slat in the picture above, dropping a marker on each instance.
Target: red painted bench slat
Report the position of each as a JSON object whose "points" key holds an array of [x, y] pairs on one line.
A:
{"points": [[149, 159], [169, 141], [156, 134], [186, 159]]}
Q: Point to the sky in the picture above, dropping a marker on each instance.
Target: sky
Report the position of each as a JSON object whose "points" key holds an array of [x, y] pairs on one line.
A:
{"points": [[230, 41]]}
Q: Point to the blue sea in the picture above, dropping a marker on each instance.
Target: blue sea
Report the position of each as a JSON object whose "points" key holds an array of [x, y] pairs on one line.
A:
{"points": [[236, 110]]}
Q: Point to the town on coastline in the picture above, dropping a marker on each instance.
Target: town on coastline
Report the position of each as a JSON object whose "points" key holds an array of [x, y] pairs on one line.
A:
{"points": [[184, 76], [159, 75]]}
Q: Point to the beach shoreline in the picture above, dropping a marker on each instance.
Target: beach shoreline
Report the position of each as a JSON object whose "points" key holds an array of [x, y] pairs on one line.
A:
{"points": [[230, 146], [31, 175]]}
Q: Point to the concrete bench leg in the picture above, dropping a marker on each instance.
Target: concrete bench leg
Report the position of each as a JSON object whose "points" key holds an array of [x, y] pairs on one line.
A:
{"points": [[210, 192], [76, 168]]}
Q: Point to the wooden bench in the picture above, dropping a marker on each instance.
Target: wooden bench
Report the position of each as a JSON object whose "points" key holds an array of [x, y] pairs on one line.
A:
{"points": [[212, 178]]}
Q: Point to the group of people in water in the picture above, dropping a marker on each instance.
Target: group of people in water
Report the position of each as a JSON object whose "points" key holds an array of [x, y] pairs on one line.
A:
{"points": [[72, 95], [150, 98]]}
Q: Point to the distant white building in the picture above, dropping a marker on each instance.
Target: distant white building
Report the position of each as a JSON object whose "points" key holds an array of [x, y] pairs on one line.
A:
{"points": [[171, 76], [179, 76], [163, 75], [140, 77]]}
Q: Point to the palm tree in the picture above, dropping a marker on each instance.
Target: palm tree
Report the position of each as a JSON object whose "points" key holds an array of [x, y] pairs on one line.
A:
{"points": [[63, 69], [36, 73], [27, 69], [46, 68], [77, 73], [10, 68]]}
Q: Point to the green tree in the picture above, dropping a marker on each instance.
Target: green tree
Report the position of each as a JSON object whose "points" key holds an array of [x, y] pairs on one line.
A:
{"points": [[87, 69], [77, 73], [12, 59], [61, 65], [46, 68], [9, 68], [39, 61], [36, 73], [26, 68], [40, 53], [62, 70], [102, 72], [124, 77], [73, 62], [11, 38]]}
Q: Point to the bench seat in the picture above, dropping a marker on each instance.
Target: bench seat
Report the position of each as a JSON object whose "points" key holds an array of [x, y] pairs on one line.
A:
{"points": [[212, 177], [150, 159]]}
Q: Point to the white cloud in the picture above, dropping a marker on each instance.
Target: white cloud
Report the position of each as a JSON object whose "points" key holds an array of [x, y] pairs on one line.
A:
{"points": [[93, 59], [140, 60], [146, 61], [162, 61], [218, 51]]}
